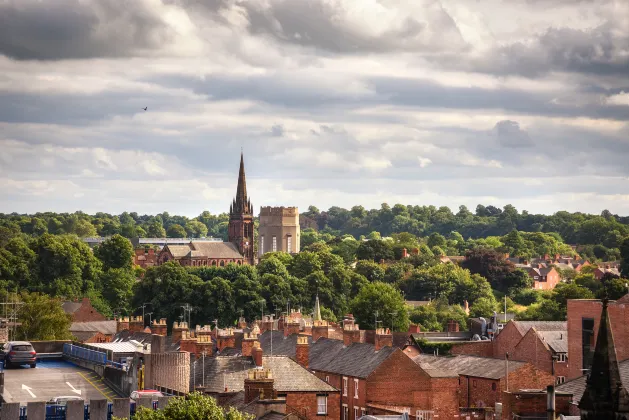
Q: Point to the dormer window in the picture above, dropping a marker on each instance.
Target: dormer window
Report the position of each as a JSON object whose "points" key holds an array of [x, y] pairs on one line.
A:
{"points": [[561, 357]]}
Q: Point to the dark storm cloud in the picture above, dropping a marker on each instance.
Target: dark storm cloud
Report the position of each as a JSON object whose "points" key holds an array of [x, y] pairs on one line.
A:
{"points": [[68, 29]]}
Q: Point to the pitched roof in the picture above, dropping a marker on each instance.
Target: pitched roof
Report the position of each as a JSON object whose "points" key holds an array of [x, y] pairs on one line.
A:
{"points": [[480, 367], [105, 327], [524, 326], [556, 340], [71, 307], [357, 360], [231, 371], [577, 386], [84, 335], [217, 249], [178, 251], [281, 346]]}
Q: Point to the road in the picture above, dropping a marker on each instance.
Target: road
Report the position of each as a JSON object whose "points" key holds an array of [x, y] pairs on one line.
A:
{"points": [[53, 379]]}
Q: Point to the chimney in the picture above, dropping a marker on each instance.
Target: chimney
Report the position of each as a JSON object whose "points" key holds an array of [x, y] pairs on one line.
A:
{"points": [[319, 329], [383, 338], [307, 328], [291, 326], [467, 308], [159, 327], [256, 353], [547, 257], [151, 252], [351, 334], [158, 344], [414, 329], [247, 343], [122, 323], [205, 330], [607, 266], [178, 329], [242, 323], [404, 253], [187, 342], [267, 323], [225, 338], [136, 324], [259, 384], [204, 345], [557, 256], [453, 326], [507, 256], [301, 352], [415, 251]]}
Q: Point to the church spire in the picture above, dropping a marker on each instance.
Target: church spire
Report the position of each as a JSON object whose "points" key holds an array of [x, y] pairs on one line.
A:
{"points": [[241, 203], [605, 397], [317, 310]]}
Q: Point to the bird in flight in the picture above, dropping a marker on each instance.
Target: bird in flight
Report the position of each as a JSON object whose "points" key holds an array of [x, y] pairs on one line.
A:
{"points": [[145, 108]]}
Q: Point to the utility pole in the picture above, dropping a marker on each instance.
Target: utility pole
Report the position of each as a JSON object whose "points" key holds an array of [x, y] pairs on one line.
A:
{"points": [[505, 309], [150, 314], [393, 314]]}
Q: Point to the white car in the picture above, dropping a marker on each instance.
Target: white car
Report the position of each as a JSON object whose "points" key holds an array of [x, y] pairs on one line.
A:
{"points": [[63, 400], [152, 393]]}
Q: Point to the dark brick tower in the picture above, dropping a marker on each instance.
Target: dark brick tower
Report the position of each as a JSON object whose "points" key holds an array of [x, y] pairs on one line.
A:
{"points": [[241, 218]]}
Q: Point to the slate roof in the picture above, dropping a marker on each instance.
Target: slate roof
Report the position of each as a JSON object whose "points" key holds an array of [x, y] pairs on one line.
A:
{"points": [[71, 307], [231, 371], [525, 326], [83, 336], [178, 251], [105, 327], [217, 249], [577, 386], [358, 360], [282, 346], [479, 367], [556, 340], [145, 338]]}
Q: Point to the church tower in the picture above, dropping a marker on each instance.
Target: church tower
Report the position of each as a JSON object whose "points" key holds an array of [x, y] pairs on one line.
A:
{"points": [[240, 231]]}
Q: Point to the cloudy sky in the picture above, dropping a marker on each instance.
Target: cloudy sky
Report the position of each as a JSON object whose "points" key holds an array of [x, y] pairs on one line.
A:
{"points": [[334, 102]]}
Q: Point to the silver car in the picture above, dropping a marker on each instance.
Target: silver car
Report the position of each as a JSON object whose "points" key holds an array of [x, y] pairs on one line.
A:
{"points": [[15, 353]]}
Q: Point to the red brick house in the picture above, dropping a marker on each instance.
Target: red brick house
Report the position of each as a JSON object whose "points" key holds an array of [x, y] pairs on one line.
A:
{"points": [[82, 311], [145, 257], [605, 269], [544, 277], [482, 380]]}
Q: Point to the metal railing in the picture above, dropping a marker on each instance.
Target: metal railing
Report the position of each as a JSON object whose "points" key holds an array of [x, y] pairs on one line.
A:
{"points": [[77, 352], [58, 412]]}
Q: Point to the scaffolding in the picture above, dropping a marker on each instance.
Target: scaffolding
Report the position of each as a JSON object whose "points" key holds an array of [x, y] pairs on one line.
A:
{"points": [[9, 321]]}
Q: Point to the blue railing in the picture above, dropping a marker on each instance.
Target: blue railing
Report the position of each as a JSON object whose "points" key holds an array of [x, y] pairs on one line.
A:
{"points": [[93, 356]]}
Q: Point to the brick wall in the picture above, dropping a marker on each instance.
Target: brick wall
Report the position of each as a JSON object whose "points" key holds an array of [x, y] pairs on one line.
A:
{"points": [[579, 309], [306, 404], [87, 313], [474, 348], [99, 337], [523, 403], [168, 370], [531, 349], [506, 341], [400, 382]]}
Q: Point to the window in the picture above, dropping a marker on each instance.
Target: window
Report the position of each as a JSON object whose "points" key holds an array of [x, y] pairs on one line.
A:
{"points": [[322, 404], [345, 387], [355, 388], [560, 380], [289, 244], [327, 379], [261, 244], [355, 413], [345, 412], [363, 412], [493, 386], [587, 343], [275, 244], [423, 415], [561, 357]]}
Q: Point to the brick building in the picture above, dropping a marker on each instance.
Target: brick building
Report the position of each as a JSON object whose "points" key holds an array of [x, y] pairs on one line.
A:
{"points": [[482, 380], [544, 277], [82, 311], [197, 254], [145, 257], [583, 322]]}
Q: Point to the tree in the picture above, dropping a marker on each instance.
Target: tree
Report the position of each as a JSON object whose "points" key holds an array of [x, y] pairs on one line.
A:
{"points": [[386, 300], [196, 229], [42, 318], [117, 287], [305, 263], [371, 270], [195, 406], [436, 239], [115, 252], [624, 258], [483, 307], [176, 231], [156, 230], [490, 264], [375, 250]]}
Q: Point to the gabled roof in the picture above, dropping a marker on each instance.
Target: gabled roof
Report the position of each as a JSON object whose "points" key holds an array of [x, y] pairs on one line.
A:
{"points": [[217, 249], [178, 251], [84, 335], [230, 372], [479, 367], [358, 360], [105, 327], [280, 345], [556, 340], [71, 307], [524, 326], [577, 386]]}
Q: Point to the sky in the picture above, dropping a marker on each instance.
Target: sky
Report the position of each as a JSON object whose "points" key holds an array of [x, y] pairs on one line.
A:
{"points": [[333, 102]]}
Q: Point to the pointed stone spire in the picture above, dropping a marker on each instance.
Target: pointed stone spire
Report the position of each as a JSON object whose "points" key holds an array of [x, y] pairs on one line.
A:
{"points": [[605, 397], [241, 202], [317, 310]]}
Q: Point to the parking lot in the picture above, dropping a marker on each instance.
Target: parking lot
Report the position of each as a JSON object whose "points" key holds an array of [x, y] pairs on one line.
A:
{"points": [[53, 378]]}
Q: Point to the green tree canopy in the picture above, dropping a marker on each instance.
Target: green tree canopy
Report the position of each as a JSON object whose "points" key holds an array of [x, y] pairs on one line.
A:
{"points": [[384, 299], [115, 252]]}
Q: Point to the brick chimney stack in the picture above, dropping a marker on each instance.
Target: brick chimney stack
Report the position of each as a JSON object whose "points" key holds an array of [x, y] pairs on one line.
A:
{"points": [[259, 384], [136, 324], [351, 331], [205, 330], [187, 342], [467, 308], [267, 323], [453, 326], [159, 327], [319, 329], [242, 323], [291, 326], [122, 323], [178, 330], [302, 351], [247, 343], [204, 345], [384, 338], [256, 352], [415, 251], [404, 253], [414, 329], [225, 338]]}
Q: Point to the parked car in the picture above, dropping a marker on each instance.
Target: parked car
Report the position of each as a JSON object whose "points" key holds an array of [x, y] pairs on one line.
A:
{"points": [[154, 394], [64, 400], [16, 353]]}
